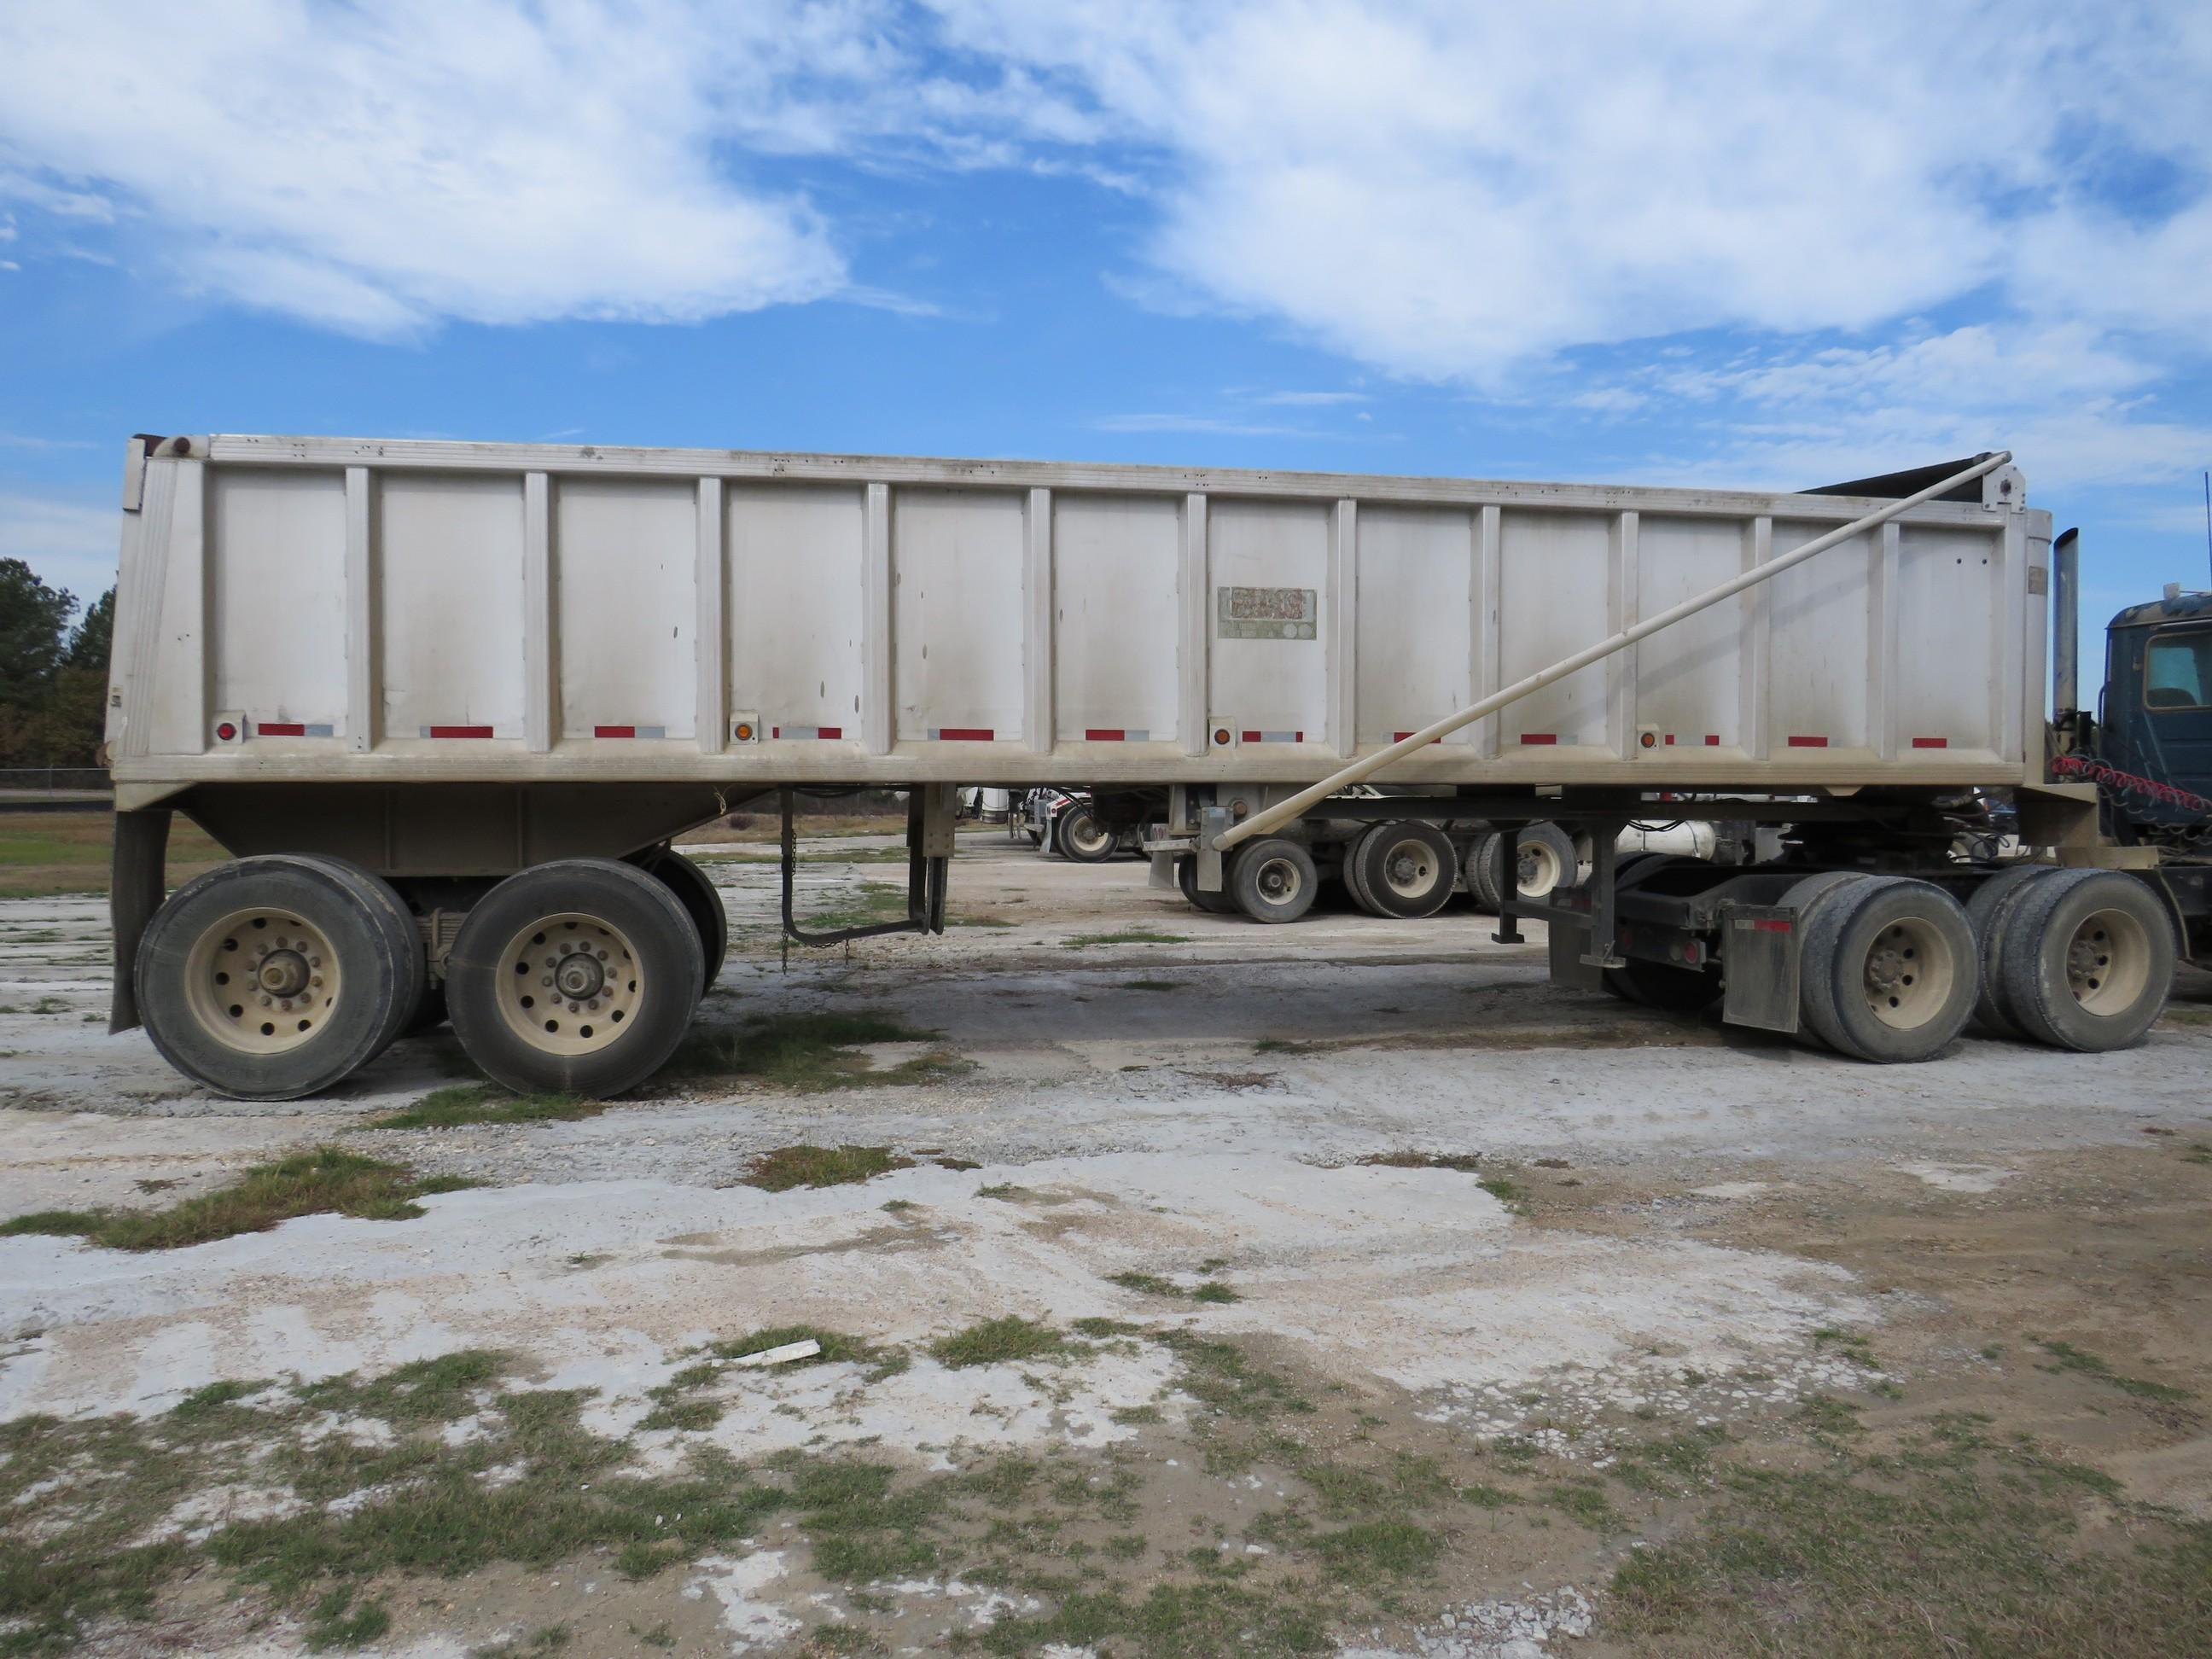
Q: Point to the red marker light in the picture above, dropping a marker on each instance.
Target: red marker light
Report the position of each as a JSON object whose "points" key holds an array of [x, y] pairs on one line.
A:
{"points": [[225, 730]]}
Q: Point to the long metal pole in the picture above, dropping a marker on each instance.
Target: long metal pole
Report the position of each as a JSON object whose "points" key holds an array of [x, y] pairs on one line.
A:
{"points": [[1282, 812]]}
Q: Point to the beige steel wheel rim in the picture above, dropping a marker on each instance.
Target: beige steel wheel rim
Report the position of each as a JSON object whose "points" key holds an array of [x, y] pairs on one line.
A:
{"points": [[1538, 870], [569, 984], [1279, 880], [263, 980], [2108, 963], [1410, 868], [1091, 841], [1908, 973]]}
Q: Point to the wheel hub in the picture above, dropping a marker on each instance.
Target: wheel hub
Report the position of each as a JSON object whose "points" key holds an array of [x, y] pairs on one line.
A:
{"points": [[571, 984], [2088, 959], [284, 972], [580, 973]]}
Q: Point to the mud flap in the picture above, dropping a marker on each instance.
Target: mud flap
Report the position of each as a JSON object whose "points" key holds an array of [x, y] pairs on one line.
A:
{"points": [[1569, 942], [1760, 965], [136, 887]]}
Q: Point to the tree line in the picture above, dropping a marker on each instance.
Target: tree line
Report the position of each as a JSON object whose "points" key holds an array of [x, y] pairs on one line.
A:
{"points": [[53, 676]]}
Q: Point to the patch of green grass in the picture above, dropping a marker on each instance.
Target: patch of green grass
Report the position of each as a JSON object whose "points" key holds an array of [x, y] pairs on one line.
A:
{"points": [[1284, 1046], [787, 1167], [837, 1349], [2198, 1152], [1958, 1543], [307, 1183], [1392, 1548], [1507, 1191], [334, 1623], [1153, 1284], [1225, 1380], [460, 1103], [1121, 936], [547, 1639], [811, 1054], [997, 1341], [1584, 1502], [2071, 1358]]}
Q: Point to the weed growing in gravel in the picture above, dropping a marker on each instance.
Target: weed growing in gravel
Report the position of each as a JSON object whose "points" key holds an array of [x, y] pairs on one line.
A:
{"points": [[460, 1103], [1121, 936], [786, 1167], [307, 1183], [2071, 1358], [997, 1340], [812, 1054], [1153, 1285]]}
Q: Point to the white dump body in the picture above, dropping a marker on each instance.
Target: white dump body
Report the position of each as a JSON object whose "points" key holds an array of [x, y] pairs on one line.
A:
{"points": [[341, 610]]}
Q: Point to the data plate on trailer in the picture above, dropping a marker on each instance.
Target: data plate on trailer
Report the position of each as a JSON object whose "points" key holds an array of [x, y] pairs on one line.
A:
{"points": [[1269, 613], [1759, 956]]}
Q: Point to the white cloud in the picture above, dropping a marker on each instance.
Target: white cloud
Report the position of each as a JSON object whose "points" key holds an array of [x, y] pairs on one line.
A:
{"points": [[70, 543], [1471, 195], [381, 168]]}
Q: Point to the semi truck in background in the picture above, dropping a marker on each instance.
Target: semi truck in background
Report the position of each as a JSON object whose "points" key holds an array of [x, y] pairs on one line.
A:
{"points": [[446, 704]]}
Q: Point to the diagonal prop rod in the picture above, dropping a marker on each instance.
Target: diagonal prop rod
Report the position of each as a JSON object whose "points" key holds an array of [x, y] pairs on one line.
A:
{"points": [[1275, 817]]}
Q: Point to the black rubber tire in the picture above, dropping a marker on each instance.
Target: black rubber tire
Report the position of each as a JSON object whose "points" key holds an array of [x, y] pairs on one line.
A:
{"points": [[626, 898], [1354, 882], [1481, 867], [1552, 840], [1664, 986], [1807, 899], [1214, 905], [1273, 879], [1391, 854], [1990, 910], [379, 954], [2038, 996], [1081, 838], [703, 901], [1855, 920], [430, 1010]]}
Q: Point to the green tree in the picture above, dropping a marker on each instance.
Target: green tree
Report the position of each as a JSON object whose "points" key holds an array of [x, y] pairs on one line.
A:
{"points": [[33, 618]]}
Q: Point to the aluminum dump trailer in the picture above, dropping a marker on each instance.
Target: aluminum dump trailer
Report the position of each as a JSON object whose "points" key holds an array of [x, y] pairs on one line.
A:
{"points": [[447, 702]]}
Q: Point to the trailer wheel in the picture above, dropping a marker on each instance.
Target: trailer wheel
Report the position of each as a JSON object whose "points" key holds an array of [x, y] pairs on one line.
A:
{"points": [[1214, 905], [1989, 910], [1082, 838], [2088, 960], [1547, 861], [703, 901], [1660, 985], [1273, 880], [1888, 971], [1406, 869], [278, 975], [577, 976], [1482, 868], [1353, 882]]}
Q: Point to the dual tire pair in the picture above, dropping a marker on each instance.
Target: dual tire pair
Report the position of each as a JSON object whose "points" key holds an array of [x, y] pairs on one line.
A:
{"points": [[1892, 968], [279, 976], [1271, 880]]}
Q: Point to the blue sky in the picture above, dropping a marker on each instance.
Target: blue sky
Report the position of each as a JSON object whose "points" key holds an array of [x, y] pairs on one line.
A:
{"points": [[1719, 243]]}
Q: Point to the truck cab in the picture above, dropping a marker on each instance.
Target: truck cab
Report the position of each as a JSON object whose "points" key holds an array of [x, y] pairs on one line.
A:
{"points": [[2156, 719]]}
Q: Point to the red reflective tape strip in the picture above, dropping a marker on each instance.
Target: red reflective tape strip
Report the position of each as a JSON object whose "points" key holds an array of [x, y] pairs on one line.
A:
{"points": [[1712, 739], [1808, 742], [965, 734], [460, 731], [829, 730], [1931, 742], [1670, 737], [1251, 737], [614, 731], [1770, 925], [1539, 736], [281, 728], [1103, 733]]}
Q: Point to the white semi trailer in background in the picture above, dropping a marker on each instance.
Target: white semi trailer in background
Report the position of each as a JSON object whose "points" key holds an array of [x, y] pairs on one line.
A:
{"points": [[446, 704]]}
